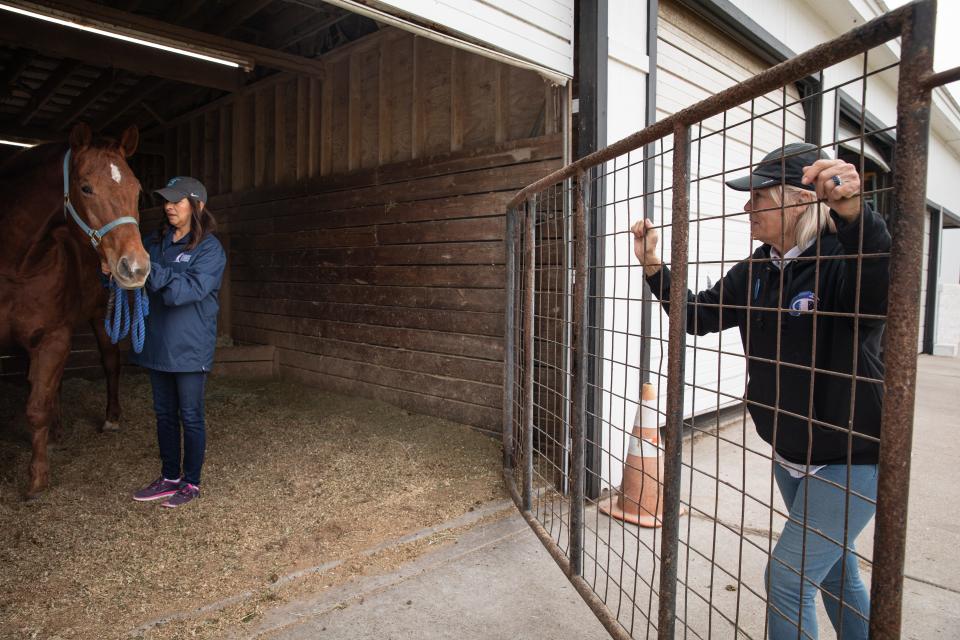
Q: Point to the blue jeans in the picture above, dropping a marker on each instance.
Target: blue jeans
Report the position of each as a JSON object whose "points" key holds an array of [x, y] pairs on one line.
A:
{"points": [[825, 566], [178, 399]]}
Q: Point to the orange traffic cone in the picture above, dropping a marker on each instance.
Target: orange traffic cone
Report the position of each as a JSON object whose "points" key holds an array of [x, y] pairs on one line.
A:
{"points": [[640, 497]]}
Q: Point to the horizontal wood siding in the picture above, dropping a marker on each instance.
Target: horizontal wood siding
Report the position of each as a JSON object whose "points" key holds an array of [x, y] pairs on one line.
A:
{"points": [[387, 98], [389, 286]]}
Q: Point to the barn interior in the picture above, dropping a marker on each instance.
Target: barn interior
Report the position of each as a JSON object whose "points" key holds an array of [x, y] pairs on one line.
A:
{"points": [[358, 173]]}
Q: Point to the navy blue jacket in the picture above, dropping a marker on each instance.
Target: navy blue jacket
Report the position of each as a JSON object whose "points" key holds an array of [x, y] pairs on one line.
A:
{"points": [[183, 287]]}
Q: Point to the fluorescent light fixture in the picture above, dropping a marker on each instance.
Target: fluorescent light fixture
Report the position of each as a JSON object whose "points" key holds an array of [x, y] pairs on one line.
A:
{"points": [[15, 144], [119, 36]]}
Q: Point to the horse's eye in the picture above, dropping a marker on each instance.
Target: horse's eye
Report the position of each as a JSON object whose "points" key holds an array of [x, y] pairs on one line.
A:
{"points": [[87, 189]]}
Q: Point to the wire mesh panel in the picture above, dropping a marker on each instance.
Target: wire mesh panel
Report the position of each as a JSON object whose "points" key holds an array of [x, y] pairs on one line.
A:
{"points": [[698, 421]]}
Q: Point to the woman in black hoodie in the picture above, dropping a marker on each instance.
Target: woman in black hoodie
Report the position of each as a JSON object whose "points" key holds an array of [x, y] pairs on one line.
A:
{"points": [[822, 270]]}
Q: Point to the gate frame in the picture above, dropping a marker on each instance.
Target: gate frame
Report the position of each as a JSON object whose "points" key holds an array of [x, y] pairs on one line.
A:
{"points": [[914, 24]]}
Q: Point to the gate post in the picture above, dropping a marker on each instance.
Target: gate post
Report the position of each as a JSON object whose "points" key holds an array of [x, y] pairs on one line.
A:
{"points": [[580, 358], [900, 335], [509, 347], [529, 302], [673, 432]]}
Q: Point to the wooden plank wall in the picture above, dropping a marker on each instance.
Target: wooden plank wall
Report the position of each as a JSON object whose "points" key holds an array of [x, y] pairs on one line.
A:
{"points": [[365, 217], [390, 284], [387, 98]]}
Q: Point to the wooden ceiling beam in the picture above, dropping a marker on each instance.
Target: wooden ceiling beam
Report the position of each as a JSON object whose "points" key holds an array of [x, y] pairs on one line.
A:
{"points": [[12, 70], [29, 135], [306, 29], [134, 96], [35, 135], [178, 14], [47, 90], [98, 51], [107, 80], [115, 20], [234, 15]]}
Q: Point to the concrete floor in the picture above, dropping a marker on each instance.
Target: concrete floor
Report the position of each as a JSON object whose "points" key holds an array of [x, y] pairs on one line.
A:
{"points": [[497, 581]]}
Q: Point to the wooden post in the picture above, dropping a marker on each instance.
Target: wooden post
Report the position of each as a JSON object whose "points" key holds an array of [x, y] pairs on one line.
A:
{"points": [[456, 101], [303, 127], [279, 133], [210, 135], [416, 130], [384, 122], [354, 114], [225, 157], [321, 128]]}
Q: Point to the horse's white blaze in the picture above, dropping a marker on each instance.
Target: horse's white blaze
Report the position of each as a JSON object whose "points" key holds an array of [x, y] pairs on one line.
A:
{"points": [[115, 173]]}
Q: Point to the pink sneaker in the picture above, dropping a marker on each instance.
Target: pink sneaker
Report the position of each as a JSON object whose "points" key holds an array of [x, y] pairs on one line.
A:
{"points": [[159, 488], [185, 494]]}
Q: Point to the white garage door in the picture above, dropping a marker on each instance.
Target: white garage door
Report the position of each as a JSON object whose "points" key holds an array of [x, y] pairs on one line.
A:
{"points": [[694, 62]]}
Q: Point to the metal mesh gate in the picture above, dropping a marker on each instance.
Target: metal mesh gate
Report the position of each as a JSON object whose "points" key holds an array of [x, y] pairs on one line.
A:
{"points": [[585, 330]]}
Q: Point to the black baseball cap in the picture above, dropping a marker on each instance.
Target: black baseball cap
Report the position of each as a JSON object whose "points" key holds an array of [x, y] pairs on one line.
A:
{"points": [[183, 187], [782, 166]]}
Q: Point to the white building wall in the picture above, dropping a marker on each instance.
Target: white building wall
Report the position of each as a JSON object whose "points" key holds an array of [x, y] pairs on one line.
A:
{"points": [[540, 31], [627, 67], [800, 25]]}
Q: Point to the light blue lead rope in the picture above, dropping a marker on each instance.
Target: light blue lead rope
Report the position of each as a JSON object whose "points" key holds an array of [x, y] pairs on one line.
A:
{"points": [[117, 321]]}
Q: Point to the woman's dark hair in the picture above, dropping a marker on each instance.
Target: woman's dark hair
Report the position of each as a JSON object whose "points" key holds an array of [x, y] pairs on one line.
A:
{"points": [[202, 223]]}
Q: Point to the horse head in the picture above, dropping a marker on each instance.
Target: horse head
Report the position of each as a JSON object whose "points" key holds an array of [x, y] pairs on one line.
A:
{"points": [[103, 190]]}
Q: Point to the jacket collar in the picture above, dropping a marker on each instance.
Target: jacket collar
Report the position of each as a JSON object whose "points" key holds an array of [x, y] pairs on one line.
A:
{"points": [[168, 240]]}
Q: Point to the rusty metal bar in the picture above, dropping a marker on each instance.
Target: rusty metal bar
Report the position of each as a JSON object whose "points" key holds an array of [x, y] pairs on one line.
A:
{"points": [[863, 38], [509, 347], [599, 608], [673, 431], [529, 300], [939, 79], [580, 359], [900, 335]]}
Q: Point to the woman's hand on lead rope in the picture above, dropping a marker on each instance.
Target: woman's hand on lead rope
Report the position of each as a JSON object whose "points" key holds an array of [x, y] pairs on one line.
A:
{"points": [[645, 238], [844, 198]]}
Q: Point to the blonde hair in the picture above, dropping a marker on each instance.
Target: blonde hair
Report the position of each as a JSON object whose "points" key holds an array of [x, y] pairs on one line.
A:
{"points": [[809, 223]]}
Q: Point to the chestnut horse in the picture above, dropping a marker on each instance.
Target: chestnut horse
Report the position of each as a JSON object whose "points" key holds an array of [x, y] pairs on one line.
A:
{"points": [[57, 233]]}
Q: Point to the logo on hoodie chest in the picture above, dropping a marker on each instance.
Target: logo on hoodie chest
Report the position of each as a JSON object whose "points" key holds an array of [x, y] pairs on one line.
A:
{"points": [[803, 301]]}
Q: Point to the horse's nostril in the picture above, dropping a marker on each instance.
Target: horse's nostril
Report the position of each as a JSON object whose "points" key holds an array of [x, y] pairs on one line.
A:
{"points": [[123, 266]]}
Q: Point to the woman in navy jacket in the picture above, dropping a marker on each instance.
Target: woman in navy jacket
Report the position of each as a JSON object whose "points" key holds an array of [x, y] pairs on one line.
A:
{"points": [[186, 267], [824, 256]]}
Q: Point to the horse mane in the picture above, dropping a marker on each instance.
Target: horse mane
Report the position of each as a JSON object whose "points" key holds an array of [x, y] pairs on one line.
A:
{"points": [[31, 158]]}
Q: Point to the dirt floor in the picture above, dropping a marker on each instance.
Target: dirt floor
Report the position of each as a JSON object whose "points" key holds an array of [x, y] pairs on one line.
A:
{"points": [[294, 478]]}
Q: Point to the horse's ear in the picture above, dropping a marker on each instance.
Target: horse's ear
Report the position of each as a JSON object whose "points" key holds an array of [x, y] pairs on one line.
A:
{"points": [[129, 140], [80, 136]]}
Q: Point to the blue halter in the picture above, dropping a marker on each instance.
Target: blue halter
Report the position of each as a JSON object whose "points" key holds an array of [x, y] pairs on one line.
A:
{"points": [[95, 235]]}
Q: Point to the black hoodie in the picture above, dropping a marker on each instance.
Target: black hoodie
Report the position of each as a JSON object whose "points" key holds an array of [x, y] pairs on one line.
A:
{"points": [[751, 300]]}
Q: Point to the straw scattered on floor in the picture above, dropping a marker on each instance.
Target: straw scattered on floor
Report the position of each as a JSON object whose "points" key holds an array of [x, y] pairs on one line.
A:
{"points": [[294, 477]]}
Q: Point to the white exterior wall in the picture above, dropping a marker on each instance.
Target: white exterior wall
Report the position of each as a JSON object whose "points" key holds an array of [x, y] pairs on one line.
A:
{"points": [[800, 25], [627, 67], [540, 31]]}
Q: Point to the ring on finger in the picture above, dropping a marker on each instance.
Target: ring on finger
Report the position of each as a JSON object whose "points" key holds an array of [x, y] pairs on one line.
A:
{"points": [[837, 180]]}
